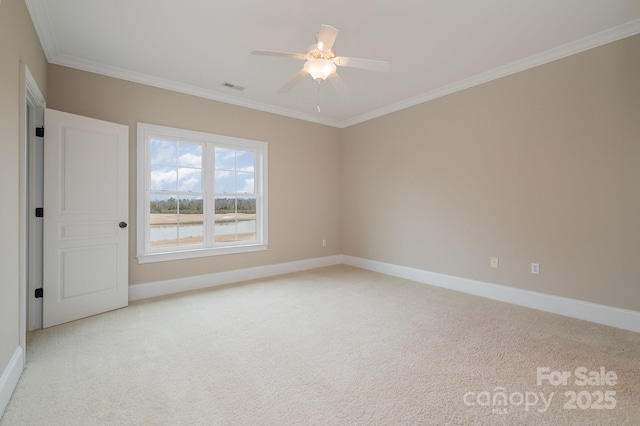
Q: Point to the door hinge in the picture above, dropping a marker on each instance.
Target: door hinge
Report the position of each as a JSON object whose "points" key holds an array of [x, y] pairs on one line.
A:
{"points": [[38, 293], [39, 212], [40, 132]]}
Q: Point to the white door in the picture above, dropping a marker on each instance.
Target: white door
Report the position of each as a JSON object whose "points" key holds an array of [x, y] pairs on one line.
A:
{"points": [[85, 240]]}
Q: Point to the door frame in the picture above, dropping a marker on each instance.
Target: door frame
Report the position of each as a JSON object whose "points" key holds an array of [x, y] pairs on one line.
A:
{"points": [[30, 116]]}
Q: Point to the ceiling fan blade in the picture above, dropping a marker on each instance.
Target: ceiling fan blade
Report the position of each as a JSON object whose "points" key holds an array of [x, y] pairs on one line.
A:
{"points": [[294, 80], [365, 64], [280, 54], [338, 84], [326, 37]]}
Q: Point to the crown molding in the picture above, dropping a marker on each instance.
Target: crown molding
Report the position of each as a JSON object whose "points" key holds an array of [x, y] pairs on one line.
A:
{"points": [[162, 83], [43, 28], [39, 16], [572, 48]]}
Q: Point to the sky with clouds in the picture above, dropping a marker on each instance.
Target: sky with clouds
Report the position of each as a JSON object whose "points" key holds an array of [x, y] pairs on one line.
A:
{"points": [[177, 167]]}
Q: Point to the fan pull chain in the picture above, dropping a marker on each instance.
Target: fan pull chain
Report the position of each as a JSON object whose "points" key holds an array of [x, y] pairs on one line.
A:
{"points": [[318, 96]]}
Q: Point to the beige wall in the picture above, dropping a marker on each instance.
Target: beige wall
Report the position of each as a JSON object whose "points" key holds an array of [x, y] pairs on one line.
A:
{"points": [[18, 42], [304, 165], [541, 166]]}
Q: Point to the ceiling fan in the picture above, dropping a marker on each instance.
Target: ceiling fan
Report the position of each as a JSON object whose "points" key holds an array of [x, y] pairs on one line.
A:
{"points": [[321, 61]]}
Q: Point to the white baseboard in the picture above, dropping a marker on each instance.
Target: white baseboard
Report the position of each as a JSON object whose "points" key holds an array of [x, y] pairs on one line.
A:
{"points": [[161, 288], [601, 314], [10, 377]]}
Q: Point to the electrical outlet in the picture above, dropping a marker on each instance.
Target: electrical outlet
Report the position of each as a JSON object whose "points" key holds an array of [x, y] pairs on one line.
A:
{"points": [[535, 268], [324, 243], [494, 262]]}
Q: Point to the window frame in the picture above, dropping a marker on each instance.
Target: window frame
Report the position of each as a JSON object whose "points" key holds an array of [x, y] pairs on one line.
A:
{"points": [[209, 141]]}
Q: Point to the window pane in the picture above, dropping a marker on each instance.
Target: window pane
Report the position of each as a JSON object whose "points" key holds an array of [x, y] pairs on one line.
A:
{"points": [[225, 231], [225, 219], [224, 182], [225, 205], [163, 229], [190, 209], [163, 178], [246, 205], [190, 221], [246, 219], [245, 161], [247, 230], [245, 182], [190, 155], [235, 171], [163, 205], [225, 159], [189, 179], [163, 236], [235, 219], [164, 153]]}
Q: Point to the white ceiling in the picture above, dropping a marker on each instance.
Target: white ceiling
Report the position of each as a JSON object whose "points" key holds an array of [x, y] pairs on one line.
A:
{"points": [[435, 46]]}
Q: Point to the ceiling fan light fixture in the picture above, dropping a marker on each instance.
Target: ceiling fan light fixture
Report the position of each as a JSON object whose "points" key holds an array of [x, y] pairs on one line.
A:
{"points": [[320, 69], [321, 61]]}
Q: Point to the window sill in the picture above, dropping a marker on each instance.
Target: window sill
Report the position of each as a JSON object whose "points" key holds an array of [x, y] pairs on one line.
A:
{"points": [[199, 252]]}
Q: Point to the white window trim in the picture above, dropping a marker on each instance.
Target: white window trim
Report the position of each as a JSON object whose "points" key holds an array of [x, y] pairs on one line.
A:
{"points": [[145, 133]]}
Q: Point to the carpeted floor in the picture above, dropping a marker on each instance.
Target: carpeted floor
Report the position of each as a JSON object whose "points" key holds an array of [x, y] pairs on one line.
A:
{"points": [[332, 346]]}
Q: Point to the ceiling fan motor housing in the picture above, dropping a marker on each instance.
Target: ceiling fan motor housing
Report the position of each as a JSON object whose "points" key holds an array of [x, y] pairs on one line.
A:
{"points": [[314, 52]]}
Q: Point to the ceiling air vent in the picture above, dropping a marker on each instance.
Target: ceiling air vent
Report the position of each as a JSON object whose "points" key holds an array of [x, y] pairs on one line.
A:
{"points": [[233, 86]]}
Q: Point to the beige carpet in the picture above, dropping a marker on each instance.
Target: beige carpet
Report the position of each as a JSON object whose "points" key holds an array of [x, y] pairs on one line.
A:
{"points": [[333, 346]]}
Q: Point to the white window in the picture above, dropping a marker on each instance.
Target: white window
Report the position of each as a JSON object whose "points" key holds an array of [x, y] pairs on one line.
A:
{"points": [[199, 194]]}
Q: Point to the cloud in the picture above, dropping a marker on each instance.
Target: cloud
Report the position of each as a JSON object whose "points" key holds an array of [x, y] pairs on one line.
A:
{"points": [[190, 180], [190, 160], [164, 179], [225, 158], [249, 186], [163, 152], [176, 153], [170, 179]]}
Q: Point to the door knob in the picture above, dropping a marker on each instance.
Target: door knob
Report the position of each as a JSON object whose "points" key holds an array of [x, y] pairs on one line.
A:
{"points": [[123, 224]]}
